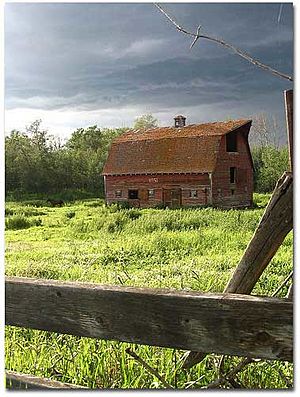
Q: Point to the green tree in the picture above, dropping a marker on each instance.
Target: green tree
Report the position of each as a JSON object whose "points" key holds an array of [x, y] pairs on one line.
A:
{"points": [[145, 121], [30, 160], [17, 161], [269, 164], [88, 149], [269, 159]]}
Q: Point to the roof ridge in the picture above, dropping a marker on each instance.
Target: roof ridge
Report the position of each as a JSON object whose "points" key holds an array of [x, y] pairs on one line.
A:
{"points": [[216, 128], [188, 125]]}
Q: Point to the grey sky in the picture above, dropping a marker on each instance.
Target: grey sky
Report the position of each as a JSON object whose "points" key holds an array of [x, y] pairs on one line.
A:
{"points": [[75, 65]]}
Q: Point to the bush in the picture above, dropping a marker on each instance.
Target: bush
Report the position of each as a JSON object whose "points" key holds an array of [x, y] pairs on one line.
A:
{"points": [[16, 222], [123, 204], [160, 206], [94, 203], [31, 212], [20, 221], [133, 213], [70, 214], [261, 200], [10, 211], [72, 195], [37, 222], [24, 210], [35, 203], [15, 195], [113, 208], [117, 223]]}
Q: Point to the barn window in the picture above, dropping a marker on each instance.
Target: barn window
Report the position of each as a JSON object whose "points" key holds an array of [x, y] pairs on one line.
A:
{"points": [[232, 192], [232, 174], [151, 193], [193, 193], [118, 193], [231, 142], [133, 194]]}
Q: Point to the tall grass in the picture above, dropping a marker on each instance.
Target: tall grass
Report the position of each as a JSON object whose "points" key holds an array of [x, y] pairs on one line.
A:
{"points": [[192, 249]]}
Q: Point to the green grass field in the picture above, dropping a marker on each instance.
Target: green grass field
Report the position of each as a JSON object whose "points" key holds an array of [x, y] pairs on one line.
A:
{"points": [[193, 249]]}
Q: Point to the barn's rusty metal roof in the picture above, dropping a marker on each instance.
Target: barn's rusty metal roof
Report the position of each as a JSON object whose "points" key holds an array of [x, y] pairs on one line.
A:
{"points": [[192, 148]]}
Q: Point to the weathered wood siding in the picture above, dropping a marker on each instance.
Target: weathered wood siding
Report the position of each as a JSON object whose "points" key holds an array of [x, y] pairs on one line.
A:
{"points": [[240, 193], [159, 183]]}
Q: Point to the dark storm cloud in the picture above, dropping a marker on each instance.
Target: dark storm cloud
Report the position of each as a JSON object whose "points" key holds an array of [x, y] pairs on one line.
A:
{"points": [[161, 83], [100, 56]]}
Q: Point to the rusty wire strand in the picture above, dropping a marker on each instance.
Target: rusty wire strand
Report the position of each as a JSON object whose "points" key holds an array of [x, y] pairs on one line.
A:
{"points": [[148, 368], [282, 284], [230, 375], [236, 50]]}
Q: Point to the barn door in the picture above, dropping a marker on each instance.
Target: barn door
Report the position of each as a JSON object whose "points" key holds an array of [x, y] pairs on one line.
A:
{"points": [[172, 197]]}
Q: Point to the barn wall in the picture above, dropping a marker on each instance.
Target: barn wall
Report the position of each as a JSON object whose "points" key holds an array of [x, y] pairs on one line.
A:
{"points": [[158, 182], [240, 193]]}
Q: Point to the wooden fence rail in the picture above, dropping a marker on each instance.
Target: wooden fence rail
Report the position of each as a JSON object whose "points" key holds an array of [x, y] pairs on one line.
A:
{"points": [[14, 380], [233, 324]]}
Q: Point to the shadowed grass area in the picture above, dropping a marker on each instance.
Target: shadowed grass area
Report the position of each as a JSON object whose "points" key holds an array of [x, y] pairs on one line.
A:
{"points": [[193, 249]]}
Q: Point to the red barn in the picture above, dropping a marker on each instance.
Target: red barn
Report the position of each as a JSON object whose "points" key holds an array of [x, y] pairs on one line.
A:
{"points": [[183, 165]]}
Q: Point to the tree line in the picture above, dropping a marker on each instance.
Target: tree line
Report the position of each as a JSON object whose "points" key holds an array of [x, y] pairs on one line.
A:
{"points": [[38, 163]]}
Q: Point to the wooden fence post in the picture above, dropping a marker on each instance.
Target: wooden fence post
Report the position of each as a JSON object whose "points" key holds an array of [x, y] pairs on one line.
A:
{"points": [[288, 99], [275, 224]]}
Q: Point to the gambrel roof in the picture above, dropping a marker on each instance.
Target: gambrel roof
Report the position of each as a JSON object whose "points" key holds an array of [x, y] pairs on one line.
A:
{"points": [[189, 149]]}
